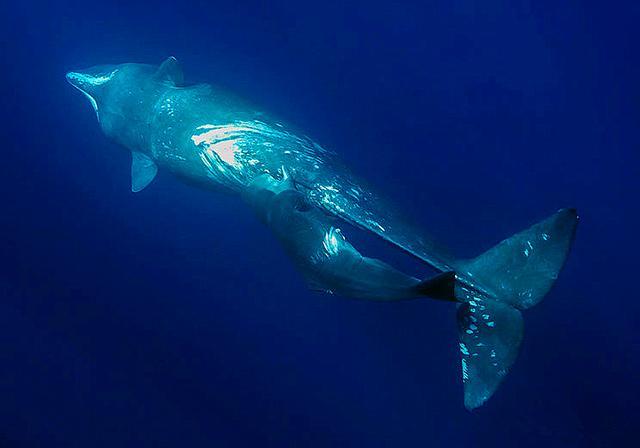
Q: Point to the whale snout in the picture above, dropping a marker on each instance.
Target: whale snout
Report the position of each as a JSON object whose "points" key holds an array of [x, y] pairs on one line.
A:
{"points": [[85, 84], [92, 79], [71, 78], [82, 81]]}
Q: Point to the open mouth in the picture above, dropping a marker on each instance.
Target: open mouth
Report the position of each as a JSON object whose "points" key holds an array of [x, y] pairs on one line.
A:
{"points": [[84, 84]]}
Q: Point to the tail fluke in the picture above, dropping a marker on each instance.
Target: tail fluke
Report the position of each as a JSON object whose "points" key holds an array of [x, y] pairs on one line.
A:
{"points": [[490, 334], [521, 270], [512, 276]]}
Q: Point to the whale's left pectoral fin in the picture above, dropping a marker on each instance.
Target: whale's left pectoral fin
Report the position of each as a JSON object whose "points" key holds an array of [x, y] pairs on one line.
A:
{"points": [[143, 171], [171, 72]]}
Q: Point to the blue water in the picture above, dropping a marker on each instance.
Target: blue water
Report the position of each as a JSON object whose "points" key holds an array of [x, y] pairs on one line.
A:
{"points": [[172, 318]]}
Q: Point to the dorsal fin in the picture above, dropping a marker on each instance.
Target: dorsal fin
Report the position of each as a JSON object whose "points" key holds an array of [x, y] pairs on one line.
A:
{"points": [[143, 171], [287, 181], [170, 71]]}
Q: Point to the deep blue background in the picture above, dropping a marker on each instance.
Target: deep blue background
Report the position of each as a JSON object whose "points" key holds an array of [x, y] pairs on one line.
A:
{"points": [[171, 318]]}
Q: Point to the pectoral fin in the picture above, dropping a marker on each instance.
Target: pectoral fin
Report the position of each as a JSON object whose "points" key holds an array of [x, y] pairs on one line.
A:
{"points": [[143, 170]]}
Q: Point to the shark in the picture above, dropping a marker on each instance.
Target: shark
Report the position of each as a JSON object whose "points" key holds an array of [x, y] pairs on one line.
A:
{"points": [[213, 139]]}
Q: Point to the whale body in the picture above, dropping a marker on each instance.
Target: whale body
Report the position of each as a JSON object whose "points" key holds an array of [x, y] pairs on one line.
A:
{"points": [[210, 138]]}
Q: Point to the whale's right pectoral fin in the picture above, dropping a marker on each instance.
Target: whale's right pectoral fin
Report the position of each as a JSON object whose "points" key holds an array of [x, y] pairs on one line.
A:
{"points": [[171, 72], [143, 171]]}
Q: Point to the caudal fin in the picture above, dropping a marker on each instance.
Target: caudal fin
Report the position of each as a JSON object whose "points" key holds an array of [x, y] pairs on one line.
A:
{"points": [[513, 275], [521, 270]]}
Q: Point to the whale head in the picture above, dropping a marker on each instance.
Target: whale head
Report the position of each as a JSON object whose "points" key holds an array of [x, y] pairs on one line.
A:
{"points": [[122, 95], [93, 82]]}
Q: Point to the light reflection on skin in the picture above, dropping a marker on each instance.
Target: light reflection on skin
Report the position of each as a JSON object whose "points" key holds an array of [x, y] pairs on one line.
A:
{"points": [[223, 141], [331, 241]]}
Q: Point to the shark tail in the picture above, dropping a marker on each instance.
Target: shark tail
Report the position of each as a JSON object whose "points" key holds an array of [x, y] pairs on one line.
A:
{"points": [[494, 288]]}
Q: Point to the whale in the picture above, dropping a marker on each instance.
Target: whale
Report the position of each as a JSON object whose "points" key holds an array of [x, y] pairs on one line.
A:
{"points": [[210, 138]]}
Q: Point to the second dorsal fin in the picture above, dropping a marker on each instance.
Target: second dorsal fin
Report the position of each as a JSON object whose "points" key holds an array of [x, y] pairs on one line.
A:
{"points": [[170, 71]]}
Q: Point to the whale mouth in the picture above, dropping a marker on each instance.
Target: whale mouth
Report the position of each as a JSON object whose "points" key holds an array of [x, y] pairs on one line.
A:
{"points": [[73, 78], [91, 82], [85, 85]]}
